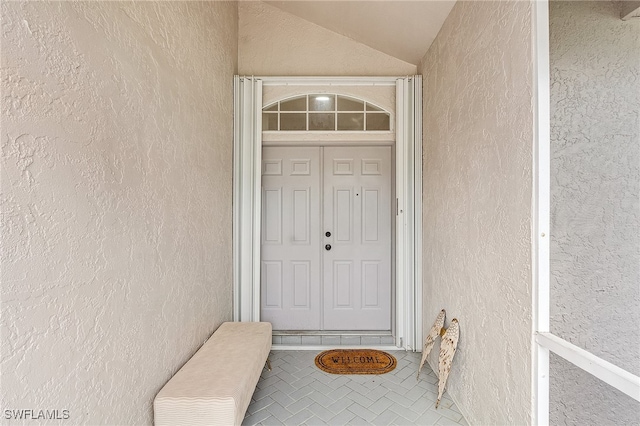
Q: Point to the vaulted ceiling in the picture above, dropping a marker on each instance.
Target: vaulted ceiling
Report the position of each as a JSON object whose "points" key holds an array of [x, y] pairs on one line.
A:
{"points": [[403, 29]]}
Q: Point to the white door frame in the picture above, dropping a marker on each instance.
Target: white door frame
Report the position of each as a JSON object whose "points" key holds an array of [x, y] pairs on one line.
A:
{"points": [[408, 181], [543, 341]]}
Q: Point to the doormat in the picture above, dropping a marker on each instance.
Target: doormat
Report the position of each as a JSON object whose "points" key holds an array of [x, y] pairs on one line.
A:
{"points": [[355, 361]]}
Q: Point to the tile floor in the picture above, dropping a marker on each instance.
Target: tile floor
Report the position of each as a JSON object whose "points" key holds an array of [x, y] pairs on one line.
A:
{"points": [[296, 392]]}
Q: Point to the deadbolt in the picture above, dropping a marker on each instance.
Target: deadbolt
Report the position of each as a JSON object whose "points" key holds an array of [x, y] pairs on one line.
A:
{"points": [[327, 234], [327, 247]]}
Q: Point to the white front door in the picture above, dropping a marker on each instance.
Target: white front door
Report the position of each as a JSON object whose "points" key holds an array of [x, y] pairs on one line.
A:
{"points": [[357, 214], [291, 243], [336, 276]]}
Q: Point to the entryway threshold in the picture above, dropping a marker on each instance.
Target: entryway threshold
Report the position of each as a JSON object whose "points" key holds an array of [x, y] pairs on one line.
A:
{"points": [[333, 339], [325, 347], [332, 332]]}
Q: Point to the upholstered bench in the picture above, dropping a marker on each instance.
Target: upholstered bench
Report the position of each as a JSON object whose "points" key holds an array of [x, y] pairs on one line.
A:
{"points": [[215, 386]]}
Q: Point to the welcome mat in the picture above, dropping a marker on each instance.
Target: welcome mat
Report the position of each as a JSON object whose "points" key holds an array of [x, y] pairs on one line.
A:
{"points": [[355, 361]]}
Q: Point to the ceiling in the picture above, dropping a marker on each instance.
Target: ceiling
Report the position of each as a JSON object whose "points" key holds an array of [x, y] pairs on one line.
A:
{"points": [[629, 9], [403, 29]]}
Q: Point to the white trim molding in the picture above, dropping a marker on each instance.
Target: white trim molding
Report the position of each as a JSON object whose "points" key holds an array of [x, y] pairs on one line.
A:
{"points": [[328, 81], [409, 212], [541, 202], [247, 191], [247, 158], [611, 374], [543, 341], [328, 138]]}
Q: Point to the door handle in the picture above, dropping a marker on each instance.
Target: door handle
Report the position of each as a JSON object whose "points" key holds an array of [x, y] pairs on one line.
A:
{"points": [[327, 247], [327, 234]]}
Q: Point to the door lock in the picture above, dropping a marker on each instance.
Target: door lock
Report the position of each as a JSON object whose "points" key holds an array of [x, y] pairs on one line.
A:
{"points": [[327, 234], [327, 247]]}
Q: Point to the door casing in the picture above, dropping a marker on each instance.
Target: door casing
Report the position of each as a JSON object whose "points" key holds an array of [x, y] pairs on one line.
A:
{"points": [[408, 183]]}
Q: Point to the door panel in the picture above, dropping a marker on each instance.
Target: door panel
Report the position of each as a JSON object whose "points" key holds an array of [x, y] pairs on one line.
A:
{"points": [[301, 284], [272, 282], [357, 212], [291, 239], [272, 205], [342, 214], [301, 216]]}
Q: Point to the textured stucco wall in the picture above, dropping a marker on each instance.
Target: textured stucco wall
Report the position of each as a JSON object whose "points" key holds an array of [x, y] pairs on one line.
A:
{"points": [[478, 123], [116, 199], [595, 190], [273, 42]]}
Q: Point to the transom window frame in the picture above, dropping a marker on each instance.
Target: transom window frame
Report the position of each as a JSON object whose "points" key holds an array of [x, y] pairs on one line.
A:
{"points": [[338, 105]]}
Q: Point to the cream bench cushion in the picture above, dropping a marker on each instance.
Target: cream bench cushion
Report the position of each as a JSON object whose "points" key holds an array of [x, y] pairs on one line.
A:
{"points": [[215, 386]]}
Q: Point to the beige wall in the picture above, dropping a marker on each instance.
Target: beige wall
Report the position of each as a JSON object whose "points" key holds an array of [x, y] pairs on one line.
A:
{"points": [[273, 42], [116, 198], [595, 205], [478, 140]]}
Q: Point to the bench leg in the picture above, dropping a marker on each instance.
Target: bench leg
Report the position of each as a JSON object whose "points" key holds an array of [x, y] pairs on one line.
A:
{"points": [[268, 364]]}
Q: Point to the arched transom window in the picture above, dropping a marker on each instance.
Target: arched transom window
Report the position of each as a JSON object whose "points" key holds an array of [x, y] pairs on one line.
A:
{"points": [[326, 113]]}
